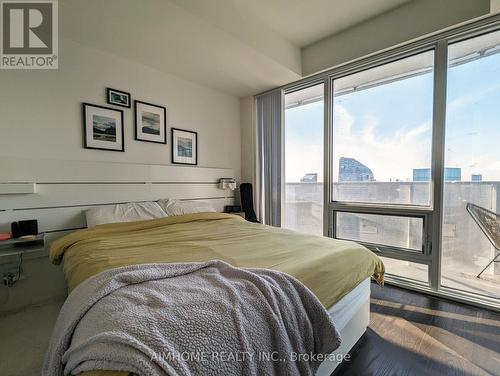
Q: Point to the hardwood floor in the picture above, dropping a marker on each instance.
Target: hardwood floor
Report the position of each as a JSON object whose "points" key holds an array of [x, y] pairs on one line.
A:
{"points": [[409, 334], [416, 334]]}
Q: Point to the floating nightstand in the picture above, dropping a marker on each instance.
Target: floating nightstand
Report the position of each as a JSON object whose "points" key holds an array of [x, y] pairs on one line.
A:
{"points": [[22, 245], [11, 248]]}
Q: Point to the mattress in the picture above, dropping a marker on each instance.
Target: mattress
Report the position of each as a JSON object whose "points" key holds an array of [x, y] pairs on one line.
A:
{"points": [[330, 268]]}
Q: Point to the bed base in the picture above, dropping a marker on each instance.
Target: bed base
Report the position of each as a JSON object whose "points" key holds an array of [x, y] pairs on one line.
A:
{"points": [[350, 334]]}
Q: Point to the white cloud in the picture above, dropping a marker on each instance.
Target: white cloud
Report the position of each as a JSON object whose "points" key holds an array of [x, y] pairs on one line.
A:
{"points": [[396, 155], [301, 159], [472, 97], [390, 157], [472, 147]]}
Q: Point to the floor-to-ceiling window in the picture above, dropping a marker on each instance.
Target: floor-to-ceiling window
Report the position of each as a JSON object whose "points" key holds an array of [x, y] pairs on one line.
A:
{"points": [[412, 138], [382, 145], [382, 133], [302, 207], [473, 149]]}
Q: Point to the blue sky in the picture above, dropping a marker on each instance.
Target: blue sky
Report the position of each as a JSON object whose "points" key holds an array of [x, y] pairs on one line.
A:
{"points": [[389, 127]]}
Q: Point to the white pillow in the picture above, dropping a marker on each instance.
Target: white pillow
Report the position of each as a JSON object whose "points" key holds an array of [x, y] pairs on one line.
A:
{"points": [[176, 207], [133, 211]]}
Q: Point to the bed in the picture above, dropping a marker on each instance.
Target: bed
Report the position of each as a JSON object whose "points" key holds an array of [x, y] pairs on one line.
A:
{"points": [[337, 272]]}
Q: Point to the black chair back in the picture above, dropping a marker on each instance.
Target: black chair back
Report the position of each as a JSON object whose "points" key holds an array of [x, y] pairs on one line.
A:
{"points": [[246, 192]]}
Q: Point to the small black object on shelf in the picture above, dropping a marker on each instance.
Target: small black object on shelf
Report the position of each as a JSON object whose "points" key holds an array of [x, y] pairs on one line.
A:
{"points": [[232, 209], [23, 228]]}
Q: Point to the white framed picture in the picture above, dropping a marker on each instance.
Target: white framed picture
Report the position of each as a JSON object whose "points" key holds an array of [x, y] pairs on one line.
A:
{"points": [[184, 147], [102, 128], [150, 122]]}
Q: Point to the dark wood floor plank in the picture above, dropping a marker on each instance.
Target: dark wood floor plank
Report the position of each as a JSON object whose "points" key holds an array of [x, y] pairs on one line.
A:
{"points": [[417, 334]]}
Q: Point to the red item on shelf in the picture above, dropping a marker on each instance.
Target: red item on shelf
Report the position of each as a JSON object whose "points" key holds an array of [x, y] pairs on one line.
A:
{"points": [[5, 236]]}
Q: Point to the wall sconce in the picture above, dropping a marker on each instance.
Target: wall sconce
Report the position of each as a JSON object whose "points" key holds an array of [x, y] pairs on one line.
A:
{"points": [[227, 183]]}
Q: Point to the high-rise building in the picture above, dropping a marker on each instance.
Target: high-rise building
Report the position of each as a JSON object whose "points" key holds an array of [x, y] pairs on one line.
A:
{"points": [[450, 174], [352, 170], [310, 178]]}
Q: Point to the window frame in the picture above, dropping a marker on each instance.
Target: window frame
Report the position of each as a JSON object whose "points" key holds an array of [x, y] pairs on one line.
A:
{"points": [[409, 254], [427, 213], [433, 214], [419, 211], [306, 85]]}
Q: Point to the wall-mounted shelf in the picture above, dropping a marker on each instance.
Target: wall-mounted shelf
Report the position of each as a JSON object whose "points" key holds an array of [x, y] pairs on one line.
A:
{"points": [[17, 188], [23, 242], [16, 247]]}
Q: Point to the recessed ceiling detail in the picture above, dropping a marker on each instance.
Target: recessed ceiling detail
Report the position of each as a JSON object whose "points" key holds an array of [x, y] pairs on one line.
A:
{"points": [[240, 47]]}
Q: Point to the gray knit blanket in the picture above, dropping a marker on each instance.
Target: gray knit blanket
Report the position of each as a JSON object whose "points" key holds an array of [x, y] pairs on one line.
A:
{"points": [[191, 319]]}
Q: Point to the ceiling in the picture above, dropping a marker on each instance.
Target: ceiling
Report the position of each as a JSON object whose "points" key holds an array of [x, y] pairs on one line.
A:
{"points": [[240, 47], [304, 22]]}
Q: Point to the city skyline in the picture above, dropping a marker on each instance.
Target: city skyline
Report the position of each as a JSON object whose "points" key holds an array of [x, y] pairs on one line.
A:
{"points": [[353, 173], [382, 127]]}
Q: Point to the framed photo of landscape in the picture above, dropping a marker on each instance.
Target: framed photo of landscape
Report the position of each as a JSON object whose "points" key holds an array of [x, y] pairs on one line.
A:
{"points": [[102, 128], [184, 147], [150, 122], [118, 97]]}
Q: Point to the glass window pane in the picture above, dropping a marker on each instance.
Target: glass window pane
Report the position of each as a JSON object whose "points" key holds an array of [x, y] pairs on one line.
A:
{"points": [[406, 269], [303, 162], [402, 232], [382, 133], [472, 147]]}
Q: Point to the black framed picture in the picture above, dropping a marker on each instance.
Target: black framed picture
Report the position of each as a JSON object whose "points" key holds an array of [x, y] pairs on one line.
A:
{"points": [[184, 147], [150, 122], [118, 97], [102, 128]]}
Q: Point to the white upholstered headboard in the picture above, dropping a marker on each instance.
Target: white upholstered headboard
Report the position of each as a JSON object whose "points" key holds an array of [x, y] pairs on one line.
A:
{"points": [[64, 189]]}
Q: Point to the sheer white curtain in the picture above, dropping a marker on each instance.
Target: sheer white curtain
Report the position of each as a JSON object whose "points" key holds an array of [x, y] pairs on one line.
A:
{"points": [[269, 137]]}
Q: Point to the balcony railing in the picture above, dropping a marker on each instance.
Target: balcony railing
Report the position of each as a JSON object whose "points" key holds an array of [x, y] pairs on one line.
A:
{"points": [[465, 249]]}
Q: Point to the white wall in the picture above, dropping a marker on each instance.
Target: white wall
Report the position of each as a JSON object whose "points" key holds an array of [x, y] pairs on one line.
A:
{"points": [[40, 117], [41, 110], [409, 21], [494, 6]]}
